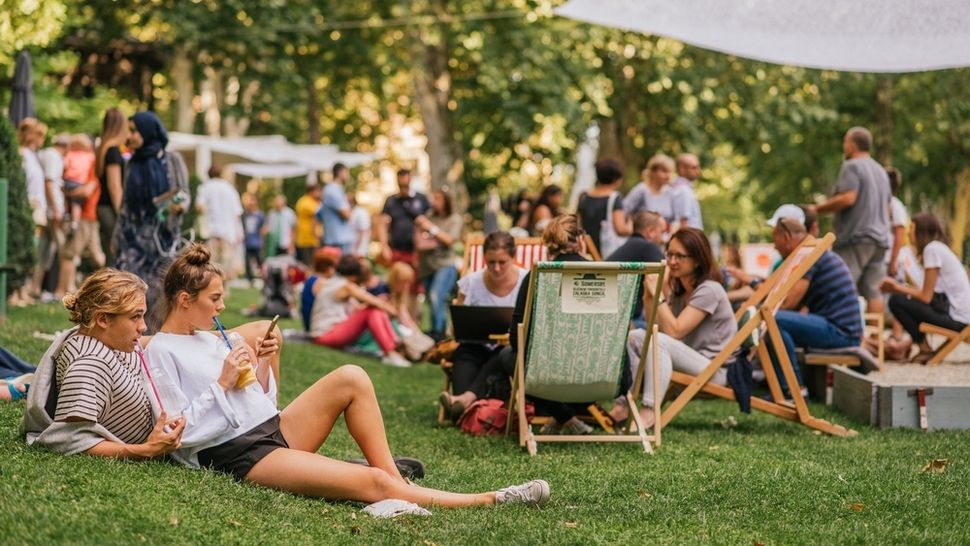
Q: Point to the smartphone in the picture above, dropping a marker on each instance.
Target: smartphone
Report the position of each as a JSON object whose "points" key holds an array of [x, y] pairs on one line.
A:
{"points": [[272, 325]]}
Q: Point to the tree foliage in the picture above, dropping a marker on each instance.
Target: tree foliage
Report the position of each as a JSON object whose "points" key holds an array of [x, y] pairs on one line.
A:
{"points": [[20, 224], [514, 90]]}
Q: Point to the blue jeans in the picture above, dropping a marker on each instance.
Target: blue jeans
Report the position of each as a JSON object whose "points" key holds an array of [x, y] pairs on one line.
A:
{"points": [[12, 366], [806, 330], [438, 286]]}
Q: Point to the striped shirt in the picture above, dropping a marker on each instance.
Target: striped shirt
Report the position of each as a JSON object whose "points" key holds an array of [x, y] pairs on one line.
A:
{"points": [[103, 386], [832, 294]]}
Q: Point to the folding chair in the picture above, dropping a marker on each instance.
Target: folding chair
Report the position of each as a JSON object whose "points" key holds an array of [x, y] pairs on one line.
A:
{"points": [[765, 302], [953, 340], [528, 251], [854, 356], [572, 341]]}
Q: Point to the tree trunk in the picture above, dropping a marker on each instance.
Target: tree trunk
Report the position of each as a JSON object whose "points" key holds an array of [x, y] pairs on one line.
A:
{"points": [[961, 212], [430, 52], [312, 111], [884, 120], [211, 91], [184, 87]]}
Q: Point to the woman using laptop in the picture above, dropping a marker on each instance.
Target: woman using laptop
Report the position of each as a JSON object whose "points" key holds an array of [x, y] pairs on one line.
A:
{"points": [[495, 286]]}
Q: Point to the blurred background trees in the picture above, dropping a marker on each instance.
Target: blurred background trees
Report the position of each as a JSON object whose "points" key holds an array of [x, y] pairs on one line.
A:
{"points": [[503, 91]]}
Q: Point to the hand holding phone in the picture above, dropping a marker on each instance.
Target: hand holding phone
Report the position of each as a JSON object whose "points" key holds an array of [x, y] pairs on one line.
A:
{"points": [[268, 344]]}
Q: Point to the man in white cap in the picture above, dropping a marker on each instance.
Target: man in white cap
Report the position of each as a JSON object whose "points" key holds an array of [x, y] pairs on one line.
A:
{"points": [[827, 291]]}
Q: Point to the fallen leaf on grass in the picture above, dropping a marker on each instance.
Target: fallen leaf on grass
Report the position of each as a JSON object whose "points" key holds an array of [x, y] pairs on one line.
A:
{"points": [[857, 507], [429, 543], [645, 494], [570, 524], [355, 529], [713, 448], [234, 522], [324, 510], [353, 515], [936, 466], [730, 422], [173, 521]]}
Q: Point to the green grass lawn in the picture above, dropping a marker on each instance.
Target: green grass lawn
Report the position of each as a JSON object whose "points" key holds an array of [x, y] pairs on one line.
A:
{"points": [[763, 481]]}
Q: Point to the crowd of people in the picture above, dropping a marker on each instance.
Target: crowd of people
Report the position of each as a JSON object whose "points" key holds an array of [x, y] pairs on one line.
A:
{"points": [[119, 204]]}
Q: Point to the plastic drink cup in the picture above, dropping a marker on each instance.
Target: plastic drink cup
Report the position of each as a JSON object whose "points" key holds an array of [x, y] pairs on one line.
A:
{"points": [[248, 376]]}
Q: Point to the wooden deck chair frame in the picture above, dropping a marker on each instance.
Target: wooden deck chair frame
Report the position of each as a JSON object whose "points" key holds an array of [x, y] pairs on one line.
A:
{"points": [[766, 299], [517, 400], [953, 340]]}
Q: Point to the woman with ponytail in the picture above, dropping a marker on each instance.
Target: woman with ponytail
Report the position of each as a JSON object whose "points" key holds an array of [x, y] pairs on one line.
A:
{"points": [[565, 241], [236, 428]]}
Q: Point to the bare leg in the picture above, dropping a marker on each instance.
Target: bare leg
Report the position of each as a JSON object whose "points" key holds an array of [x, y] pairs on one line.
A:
{"points": [[307, 421], [318, 476], [65, 279]]}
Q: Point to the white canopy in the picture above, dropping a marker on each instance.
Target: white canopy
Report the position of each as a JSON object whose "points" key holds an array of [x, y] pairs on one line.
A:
{"points": [[849, 35], [272, 154]]}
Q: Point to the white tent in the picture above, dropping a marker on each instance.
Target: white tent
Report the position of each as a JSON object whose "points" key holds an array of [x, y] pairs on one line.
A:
{"points": [[849, 35], [272, 155]]}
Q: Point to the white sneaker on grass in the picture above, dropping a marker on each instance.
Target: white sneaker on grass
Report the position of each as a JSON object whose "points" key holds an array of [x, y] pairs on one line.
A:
{"points": [[535, 492], [396, 360]]}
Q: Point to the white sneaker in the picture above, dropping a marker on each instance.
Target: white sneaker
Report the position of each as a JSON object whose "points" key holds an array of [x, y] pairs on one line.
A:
{"points": [[535, 492], [396, 360]]}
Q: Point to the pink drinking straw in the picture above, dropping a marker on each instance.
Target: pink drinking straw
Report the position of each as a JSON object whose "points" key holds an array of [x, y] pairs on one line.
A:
{"points": [[151, 381]]}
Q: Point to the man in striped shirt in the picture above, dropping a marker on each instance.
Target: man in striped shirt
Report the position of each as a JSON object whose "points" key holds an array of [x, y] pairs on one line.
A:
{"points": [[828, 293]]}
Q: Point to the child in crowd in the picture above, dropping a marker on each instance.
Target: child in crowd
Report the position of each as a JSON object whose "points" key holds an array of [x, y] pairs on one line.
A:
{"points": [[78, 171]]}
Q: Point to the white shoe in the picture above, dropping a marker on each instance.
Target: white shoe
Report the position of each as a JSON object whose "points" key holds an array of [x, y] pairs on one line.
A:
{"points": [[396, 360], [535, 492]]}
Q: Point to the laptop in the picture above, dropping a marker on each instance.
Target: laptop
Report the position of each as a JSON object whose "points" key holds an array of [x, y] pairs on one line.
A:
{"points": [[473, 324]]}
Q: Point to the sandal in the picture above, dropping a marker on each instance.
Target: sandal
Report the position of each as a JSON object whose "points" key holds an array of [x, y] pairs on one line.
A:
{"points": [[13, 382], [922, 358], [453, 408]]}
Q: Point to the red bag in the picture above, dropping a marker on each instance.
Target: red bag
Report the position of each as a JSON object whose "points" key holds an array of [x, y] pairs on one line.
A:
{"points": [[488, 417]]}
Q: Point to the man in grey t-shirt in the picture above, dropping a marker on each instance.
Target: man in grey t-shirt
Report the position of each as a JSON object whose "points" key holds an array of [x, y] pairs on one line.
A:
{"points": [[860, 202]]}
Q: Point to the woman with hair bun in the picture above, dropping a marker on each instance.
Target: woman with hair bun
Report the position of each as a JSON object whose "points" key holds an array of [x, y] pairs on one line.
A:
{"points": [[88, 394], [237, 429], [565, 241]]}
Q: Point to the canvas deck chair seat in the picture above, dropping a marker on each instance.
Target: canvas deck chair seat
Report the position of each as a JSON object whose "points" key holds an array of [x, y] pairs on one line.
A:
{"points": [[572, 341], [953, 340], [760, 309], [857, 356]]}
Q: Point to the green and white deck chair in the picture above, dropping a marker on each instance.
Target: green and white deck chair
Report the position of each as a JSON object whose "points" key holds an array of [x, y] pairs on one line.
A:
{"points": [[572, 341]]}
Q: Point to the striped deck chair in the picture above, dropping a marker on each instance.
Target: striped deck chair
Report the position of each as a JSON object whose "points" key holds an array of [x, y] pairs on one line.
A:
{"points": [[760, 311], [528, 251], [572, 340]]}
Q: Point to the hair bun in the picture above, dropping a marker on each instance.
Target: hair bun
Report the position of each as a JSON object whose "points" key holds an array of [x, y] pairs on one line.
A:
{"points": [[69, 301], [197, 255]]}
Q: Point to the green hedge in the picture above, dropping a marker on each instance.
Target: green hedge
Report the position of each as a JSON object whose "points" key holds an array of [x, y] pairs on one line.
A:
{"points": [[20, 225]]}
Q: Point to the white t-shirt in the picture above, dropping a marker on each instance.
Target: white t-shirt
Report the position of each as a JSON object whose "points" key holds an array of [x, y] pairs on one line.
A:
{"points": [[52, 162], [897, 213], [223, 209], [952, 279], [186, 372], [360, 223], [475, 292], [35, 186]]}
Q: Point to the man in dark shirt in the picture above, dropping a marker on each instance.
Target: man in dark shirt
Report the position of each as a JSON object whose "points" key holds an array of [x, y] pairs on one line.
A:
{"points": [[396, 230], [827, 291], [645, 245]]}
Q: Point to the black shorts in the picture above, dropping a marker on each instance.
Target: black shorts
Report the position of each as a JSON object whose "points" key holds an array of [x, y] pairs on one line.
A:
{"points": [[239, 455]]}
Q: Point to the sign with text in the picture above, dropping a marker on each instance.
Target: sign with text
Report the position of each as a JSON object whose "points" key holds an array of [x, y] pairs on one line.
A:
{"points": [[588, 293]]}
